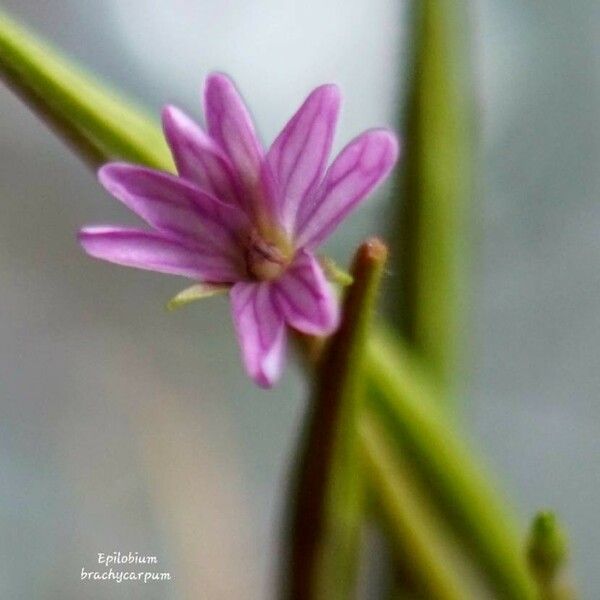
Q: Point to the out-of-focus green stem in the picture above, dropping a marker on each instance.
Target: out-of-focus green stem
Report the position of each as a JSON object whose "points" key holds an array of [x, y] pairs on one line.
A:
{"points": [[95, 122], [547, 552], [327, 502], [434, 190], [412, 532], [401, 399]]}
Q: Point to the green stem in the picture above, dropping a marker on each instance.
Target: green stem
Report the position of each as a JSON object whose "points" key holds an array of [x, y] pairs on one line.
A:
{"points": [[402, 399], [403, 402], [417, 538], [327, 510], [95, 122], [434, 190]]}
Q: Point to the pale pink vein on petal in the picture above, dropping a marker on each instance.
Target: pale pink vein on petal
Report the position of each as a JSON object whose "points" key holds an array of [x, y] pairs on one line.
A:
{"points": [[300, 153], [361, 165], [197, 157], [305, 297], [260, 330], [155, 251], [230, 125], [174, 205]]}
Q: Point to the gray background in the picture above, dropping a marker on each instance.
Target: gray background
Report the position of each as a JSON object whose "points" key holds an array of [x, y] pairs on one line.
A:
{"points": [[125, 428]]}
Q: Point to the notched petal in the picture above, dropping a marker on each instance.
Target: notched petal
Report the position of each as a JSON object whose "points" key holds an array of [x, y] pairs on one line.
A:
{"points": [[260, 330], [306, 298], [299, 155], [359, 167], [199, 158], [229, 123], [175, 206]]}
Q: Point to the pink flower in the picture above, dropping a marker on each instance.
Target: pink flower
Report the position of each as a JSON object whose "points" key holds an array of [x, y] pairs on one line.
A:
{"points": [[246, 218]]}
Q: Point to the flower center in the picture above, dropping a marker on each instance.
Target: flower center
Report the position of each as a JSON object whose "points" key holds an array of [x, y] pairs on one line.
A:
{"points": [[265, 260]]}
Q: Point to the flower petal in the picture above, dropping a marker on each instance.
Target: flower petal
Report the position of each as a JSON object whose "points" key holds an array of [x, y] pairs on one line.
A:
{"points": [[260, 330], [230, 125], [360, 166], [299, 155], [175, 206], [155, 251], [229, 122], [305, 297], [198, 157]]}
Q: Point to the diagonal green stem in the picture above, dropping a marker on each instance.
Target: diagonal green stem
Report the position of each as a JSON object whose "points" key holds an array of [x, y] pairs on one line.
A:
{"points": [[402, 400], [97, 123], [418, 542]]}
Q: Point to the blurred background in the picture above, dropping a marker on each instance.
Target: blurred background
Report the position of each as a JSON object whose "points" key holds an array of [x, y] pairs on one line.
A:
{"points": [[123, 427]]}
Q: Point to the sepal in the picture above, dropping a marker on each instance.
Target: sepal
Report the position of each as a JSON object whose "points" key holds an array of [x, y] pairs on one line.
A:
{"points": [[199, 291]]}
